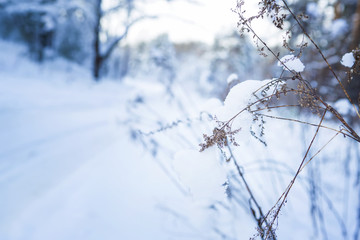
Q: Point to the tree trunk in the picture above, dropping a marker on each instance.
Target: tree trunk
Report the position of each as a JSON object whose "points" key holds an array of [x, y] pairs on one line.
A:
{"points": [[355, 35], [354, 86], [97, 58]]}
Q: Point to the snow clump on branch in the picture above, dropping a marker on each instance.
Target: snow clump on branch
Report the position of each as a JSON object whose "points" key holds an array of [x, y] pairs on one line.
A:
{"points": [[348, 60], [292, 63]]}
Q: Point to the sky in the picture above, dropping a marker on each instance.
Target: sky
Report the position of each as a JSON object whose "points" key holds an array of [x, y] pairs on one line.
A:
{"points": [[185, 21], [188, 20]]}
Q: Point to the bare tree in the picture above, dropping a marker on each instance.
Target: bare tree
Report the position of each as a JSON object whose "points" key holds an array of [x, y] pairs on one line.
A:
{"points": [[102, 53]]}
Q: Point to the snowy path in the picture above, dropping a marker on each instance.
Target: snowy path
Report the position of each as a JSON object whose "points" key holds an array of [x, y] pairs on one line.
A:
{"points": [[68, 169]]}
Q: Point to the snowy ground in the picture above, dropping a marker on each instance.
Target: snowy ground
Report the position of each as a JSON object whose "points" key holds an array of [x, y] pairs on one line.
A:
{"points": [[79, 160], [68, 169]]}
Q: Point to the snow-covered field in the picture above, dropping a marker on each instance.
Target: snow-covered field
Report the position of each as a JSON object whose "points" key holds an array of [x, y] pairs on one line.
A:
{"points": [[68, 169], [120, 160]]}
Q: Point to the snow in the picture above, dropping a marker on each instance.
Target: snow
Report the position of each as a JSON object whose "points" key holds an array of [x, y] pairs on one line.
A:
{"points": [[63, 155], [120, 160], [312, 9], [232, 77], [49, 24], [343, 106], [237, 100], [210, 105], [348, 60], [290, 62], [339, 27], [194, 167]]}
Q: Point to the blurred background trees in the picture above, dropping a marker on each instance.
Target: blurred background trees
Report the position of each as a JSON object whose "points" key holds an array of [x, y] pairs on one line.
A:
{"points": [[335, 26], [49, 28], [93, 33]]}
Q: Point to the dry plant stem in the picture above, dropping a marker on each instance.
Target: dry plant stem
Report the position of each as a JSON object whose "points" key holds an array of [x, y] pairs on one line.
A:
{"points": [[287, 191], [333, 111], [307, 123], [252, 104], [267, 47], [341, 119], [311, 124], [337, 115], [352, 134], [278, 106], [322, 148], [308, 92], [322, 55], [252, 198]]}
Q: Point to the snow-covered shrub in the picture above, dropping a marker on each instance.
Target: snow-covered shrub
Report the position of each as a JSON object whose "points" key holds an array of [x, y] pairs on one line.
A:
{"points": [[278, 161], [248, 104]]}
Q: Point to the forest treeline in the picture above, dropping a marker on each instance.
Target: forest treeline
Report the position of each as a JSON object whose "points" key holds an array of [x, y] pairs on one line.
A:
{"points": [[79, 31]]}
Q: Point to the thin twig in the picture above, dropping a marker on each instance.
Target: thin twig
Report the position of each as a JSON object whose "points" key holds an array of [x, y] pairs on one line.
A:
{"points": [[307, 123], [322, 148], [322, 55], [297, 173], [252, 197]]}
